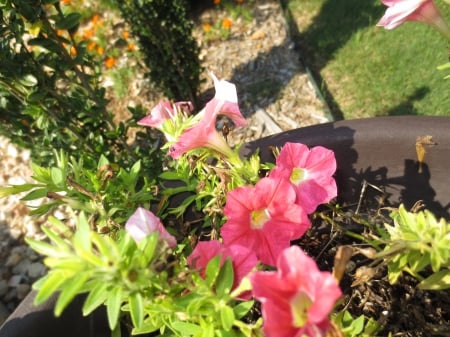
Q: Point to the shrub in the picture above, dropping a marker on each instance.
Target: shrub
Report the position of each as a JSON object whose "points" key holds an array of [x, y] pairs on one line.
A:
{"points": [[164, 31]]}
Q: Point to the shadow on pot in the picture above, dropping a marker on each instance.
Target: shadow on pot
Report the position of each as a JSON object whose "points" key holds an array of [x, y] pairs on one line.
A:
{"points": [[382, 152]]}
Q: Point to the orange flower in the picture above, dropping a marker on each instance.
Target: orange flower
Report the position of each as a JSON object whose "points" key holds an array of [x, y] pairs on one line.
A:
{"points": [[239, 1], [88, 33], [110, 62], [216, 2], [226, 23], [131, 47], [207, 27], [95, 19], [100, 50], [66, 2], [125, 34], [73, 51], [91, 46]]}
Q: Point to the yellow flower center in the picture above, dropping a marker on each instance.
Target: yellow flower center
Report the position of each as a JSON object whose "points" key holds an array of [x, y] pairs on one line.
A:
{"points": [[300, 304], [298, 174], [259, 218]]}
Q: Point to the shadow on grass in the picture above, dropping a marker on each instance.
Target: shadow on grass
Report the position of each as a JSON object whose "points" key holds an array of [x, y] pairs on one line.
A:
{"points": [[406, 107], [331, 28]]}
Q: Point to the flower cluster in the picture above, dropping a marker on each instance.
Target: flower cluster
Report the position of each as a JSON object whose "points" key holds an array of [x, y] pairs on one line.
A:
{"points": [[260, 220]]}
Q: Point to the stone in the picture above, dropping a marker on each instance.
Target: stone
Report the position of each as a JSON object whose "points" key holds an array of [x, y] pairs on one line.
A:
{"points": [[13, 259], [14, 281], [22, 290], [3, 287], [36, 270]]}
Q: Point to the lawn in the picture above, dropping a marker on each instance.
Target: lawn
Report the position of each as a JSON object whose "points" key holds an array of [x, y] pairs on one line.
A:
{"points": [[364, 70]]}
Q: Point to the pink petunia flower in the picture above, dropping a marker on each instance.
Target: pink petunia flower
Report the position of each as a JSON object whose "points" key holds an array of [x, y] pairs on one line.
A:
{"points": [[243, 259], [425, 11], [162, 112], [204, 133], [264, 218], [143, 222], [225, 102], [310, 171], [297, 298]]}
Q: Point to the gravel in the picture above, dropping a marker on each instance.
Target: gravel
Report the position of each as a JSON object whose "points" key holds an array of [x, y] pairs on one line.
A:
{"points": [[20, 266]]}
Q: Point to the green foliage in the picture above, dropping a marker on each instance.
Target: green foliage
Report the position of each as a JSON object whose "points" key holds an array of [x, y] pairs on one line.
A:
{"points": [[106, 192], [164, 31], [137, 278], [417, 241], [50, 92], [356, 327]]}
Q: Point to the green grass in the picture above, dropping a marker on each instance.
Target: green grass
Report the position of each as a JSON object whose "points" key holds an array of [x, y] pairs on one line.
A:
{"points": [[365, 70]]}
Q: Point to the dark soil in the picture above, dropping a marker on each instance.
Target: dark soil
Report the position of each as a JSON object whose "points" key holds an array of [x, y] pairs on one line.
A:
{"points": [[401, 309]]}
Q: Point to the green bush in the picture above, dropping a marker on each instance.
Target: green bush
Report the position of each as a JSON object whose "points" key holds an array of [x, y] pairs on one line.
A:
{"points": [[50, 91], [164, 31]]}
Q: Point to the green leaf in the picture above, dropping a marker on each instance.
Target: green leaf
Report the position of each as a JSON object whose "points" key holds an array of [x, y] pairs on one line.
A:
{"points": [[136, 304], [46, 44], [242, 309], [57, 176], [36, 194], [105, 245], [169, 175], [103, 161], [208, 330], [225, 279], [113, 305], [42, 248], [148, 247], [82, 236], [223, 333], [44, 209], [97, 296], [15, 189], [187, 329], [70, 289], [437, 281], [69, 21], [357, 325], [147, 327], [135, 169], [212, 270], [56, 239], [47, 286], [227, 317], [28, 81]]}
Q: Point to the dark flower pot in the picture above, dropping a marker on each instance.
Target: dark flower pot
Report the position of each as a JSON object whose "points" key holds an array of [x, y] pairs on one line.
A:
{"points": [[381, 151]]}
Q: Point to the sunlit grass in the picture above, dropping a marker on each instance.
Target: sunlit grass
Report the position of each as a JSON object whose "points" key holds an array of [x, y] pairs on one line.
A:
{"points": [[367, 70]]}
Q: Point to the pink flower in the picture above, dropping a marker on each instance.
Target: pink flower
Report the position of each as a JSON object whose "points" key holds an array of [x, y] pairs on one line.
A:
{"points": [[310, 171], [162, 112], [425, 11], [264, 218], [204, 133], [225, 102], [242, 258], [143, 222], [297, 298]]}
